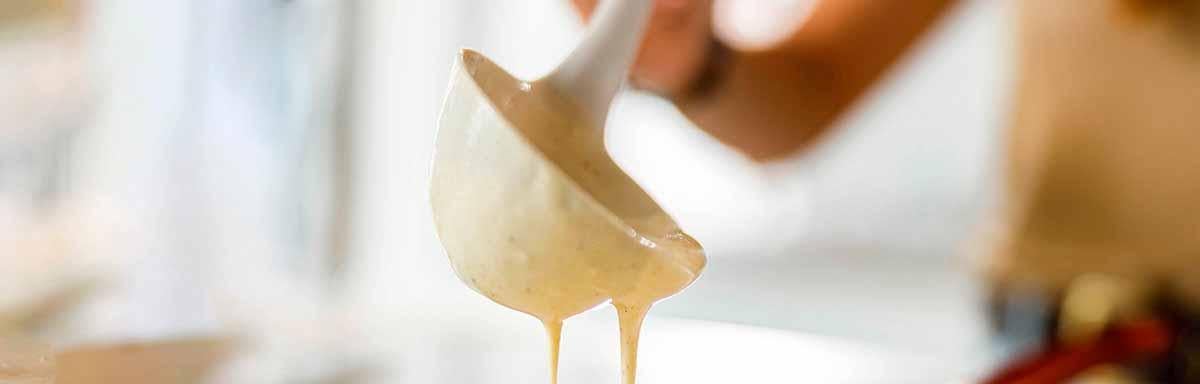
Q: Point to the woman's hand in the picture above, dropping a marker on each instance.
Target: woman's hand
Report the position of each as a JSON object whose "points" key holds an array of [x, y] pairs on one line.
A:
{"points": [[677, 45], [793, 67]]}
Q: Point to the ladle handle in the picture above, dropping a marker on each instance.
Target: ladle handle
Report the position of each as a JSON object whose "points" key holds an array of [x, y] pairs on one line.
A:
{"points": [[593, 73]]}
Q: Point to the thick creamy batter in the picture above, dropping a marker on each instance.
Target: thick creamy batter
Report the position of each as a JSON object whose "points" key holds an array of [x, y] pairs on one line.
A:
{"points": [[536, 216]]}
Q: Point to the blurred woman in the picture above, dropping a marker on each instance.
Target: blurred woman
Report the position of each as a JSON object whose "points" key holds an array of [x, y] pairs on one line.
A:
{"points": [[1101, 216]]}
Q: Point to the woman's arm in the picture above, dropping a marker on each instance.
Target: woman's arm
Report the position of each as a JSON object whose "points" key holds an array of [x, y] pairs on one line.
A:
{"points": [[773, 101]]}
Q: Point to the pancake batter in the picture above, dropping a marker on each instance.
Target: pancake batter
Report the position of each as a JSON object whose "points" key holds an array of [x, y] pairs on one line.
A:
{"points": [[536, 216]]}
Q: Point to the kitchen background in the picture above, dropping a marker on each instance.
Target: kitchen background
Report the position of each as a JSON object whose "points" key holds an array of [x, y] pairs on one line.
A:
{"points": [[259, 168]]}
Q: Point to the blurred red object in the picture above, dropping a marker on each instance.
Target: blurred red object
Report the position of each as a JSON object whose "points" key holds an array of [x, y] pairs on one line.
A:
{"points": [[1126, 343]]}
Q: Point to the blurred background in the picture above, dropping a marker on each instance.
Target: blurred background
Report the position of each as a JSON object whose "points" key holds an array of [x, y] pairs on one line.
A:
{"points": [[247, 179]]}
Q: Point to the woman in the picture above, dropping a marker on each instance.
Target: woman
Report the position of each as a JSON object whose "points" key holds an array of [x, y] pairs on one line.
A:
{"points": [[1102, 214]]}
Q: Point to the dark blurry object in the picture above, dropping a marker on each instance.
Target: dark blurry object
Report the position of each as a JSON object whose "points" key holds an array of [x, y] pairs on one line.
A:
{"points": [[1138, 341], [1102, 329]]}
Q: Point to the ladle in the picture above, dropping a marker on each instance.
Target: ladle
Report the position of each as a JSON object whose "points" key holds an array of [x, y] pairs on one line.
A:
{"points": [[531, 210]]}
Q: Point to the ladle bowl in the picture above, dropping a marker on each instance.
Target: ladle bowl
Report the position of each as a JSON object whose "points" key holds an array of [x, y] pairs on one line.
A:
{"points": [[525, 198]]}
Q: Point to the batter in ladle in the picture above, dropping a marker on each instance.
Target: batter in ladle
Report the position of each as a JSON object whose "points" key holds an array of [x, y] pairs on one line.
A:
{"points": [[536, 216]]}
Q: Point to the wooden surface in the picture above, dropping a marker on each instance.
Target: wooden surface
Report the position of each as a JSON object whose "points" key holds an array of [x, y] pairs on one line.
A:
{"points": [[175, 362], [179, 361]]}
